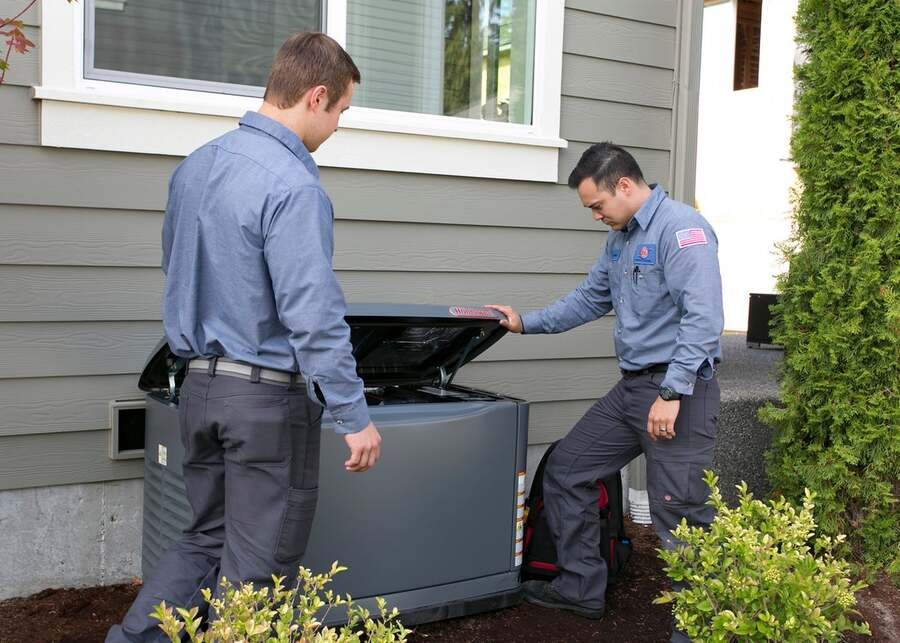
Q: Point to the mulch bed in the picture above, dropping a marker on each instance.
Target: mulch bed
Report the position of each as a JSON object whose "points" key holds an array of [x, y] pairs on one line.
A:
{"points": [[84, 615]]}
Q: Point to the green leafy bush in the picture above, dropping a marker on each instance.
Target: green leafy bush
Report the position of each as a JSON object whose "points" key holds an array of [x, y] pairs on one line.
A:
{"points": [[753, 576], [837, 429], [281, 615]]}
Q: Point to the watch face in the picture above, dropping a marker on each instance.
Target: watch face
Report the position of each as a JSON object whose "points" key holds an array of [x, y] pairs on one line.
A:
{"points": [[668, 394]]}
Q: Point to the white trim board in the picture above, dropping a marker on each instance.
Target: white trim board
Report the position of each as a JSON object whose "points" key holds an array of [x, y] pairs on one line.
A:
{"points": [[102, 115]]}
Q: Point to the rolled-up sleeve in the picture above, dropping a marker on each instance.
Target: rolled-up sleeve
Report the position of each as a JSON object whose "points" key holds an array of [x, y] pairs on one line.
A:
{"points": [[589, 301], [695, 285], [298, 247]]}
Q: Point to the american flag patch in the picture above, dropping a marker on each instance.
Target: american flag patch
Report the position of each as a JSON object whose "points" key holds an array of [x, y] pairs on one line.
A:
{"points": [[691, 237]]}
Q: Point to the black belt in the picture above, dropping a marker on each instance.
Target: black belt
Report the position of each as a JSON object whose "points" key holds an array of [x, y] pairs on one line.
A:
{"points": [[653, 368]]}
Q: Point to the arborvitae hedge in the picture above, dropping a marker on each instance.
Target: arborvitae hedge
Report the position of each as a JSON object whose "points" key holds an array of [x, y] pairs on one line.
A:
{"points": [[838, 427]]}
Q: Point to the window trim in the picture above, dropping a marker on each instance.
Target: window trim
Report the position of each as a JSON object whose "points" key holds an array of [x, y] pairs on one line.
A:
{"points": [[117, 116]]}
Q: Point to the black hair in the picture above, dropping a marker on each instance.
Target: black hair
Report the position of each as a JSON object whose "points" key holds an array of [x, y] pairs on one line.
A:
{"points": [[605, 163]]}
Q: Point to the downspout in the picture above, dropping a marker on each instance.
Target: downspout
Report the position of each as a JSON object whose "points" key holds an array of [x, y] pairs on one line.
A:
{"points": [[686, 101], [674, 189]]}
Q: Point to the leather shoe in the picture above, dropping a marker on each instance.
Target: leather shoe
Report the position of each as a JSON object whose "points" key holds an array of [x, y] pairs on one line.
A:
{"points": [[539, 592]]}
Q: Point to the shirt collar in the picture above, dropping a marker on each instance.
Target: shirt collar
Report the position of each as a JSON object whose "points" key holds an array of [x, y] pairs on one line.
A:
{"points": [[283, 135], [646, 211]]}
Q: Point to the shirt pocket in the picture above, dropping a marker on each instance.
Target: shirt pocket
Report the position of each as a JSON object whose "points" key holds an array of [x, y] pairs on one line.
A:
{"points": [[647, 286]]}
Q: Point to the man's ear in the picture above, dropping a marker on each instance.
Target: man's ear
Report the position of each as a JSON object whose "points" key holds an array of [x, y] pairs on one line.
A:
{"points": [[318, 98]]}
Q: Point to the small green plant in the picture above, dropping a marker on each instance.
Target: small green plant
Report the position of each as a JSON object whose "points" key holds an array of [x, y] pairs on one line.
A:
{"points": [[760, 574], [281, 615]]}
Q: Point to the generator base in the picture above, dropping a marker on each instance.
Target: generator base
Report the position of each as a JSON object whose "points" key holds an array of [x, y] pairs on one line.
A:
{"points": [[455, 600]]}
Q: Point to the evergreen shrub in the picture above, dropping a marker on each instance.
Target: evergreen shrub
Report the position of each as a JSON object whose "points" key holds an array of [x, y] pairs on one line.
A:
{"points": [[837, 429]]}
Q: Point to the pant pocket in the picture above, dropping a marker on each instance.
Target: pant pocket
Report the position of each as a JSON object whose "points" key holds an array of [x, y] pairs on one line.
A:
{"points": [[257, 428], [296, 524], [677, 484]]}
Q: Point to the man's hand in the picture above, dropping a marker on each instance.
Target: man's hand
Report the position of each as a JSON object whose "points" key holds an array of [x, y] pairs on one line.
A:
{"points": [[512, 322], [365, 449], [661, 420]]}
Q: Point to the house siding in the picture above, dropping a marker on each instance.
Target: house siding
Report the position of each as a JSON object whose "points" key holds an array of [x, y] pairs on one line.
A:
{"points": [[80, 282]]}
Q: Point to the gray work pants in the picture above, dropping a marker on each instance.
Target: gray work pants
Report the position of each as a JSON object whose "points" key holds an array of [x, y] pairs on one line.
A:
{"points": [[251, 469], [611, 434]]}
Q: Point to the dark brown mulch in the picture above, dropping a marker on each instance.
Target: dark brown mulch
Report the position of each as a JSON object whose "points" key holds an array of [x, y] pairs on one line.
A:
{"points": [[84, 615], [80, 615], [630, 612]]}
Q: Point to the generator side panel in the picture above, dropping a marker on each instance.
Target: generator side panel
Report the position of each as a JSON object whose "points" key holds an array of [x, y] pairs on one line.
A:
{"points": [[166, 509]]}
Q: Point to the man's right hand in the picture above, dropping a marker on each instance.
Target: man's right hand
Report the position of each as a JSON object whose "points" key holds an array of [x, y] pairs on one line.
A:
{"points": [[513, 320], [365, 449]]}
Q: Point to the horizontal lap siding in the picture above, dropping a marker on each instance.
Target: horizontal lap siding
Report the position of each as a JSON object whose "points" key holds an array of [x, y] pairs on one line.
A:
{"points": [[79, 251], [659, 12], [61, 458], [41, 293], [618, 81]]}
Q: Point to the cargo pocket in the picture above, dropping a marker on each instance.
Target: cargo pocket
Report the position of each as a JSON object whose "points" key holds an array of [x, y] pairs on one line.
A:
{"points": [[677, 483], [296, 523]]}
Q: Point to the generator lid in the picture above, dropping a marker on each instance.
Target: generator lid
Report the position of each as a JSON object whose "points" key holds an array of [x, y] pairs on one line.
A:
{"points": [[392, 344]]}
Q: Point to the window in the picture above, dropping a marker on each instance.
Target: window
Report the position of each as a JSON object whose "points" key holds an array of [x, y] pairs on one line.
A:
{"points": [[746, 44], [464, 58], [458, 87], [221, 45]]}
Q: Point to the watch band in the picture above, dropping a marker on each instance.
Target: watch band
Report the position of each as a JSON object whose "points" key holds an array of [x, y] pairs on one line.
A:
{"points": [[669, 394]]}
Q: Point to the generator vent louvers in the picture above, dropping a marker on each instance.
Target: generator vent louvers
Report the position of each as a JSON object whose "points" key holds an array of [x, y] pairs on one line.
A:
{"points": [[166, 513]]}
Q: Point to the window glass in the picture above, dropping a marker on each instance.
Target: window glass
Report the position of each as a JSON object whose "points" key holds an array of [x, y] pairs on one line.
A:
{"points": [[211, 41], [464, 58]]}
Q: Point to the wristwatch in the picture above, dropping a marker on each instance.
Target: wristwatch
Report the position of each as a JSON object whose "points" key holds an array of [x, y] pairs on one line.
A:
{"points": [[668, 394]]}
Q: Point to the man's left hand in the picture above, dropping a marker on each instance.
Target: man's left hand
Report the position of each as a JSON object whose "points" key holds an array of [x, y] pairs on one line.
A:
{"points": [[661, 420]]}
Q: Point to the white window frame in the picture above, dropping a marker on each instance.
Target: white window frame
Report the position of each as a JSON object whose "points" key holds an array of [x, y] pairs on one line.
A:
{"points": [[102, 115]]}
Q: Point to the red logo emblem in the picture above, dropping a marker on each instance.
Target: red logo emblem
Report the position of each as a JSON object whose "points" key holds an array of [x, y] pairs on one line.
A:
{"points": [[645, 252]]}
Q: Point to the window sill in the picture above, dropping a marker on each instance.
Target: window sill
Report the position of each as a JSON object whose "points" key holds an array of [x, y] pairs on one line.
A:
{"points": [[138, 119]]}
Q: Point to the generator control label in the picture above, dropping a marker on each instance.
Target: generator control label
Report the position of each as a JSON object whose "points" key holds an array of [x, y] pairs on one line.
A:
{"points": [[163, 455], [480, 313]]}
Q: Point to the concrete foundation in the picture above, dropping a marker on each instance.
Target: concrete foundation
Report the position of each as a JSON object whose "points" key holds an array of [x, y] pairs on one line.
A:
{"points": [[69, 536]]}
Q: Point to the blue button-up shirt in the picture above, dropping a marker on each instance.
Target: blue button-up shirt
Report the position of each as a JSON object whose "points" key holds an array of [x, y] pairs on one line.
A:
{"points": [[661, 276], [247, 242]]}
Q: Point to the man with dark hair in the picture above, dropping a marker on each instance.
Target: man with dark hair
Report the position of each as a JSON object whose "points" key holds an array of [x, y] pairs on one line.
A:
{"points": [[251, 300], [659, 272]]}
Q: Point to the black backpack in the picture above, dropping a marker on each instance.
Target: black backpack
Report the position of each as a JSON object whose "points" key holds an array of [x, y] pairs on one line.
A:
{"points": [[539, 555]]}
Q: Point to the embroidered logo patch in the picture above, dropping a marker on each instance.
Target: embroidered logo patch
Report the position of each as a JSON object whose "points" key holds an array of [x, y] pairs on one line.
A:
{"points": [[691, 237], [645, 254], [615, 253]]}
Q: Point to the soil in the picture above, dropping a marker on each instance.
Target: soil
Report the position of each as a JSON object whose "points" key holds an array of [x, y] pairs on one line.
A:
{"points": [[84, 615]]}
